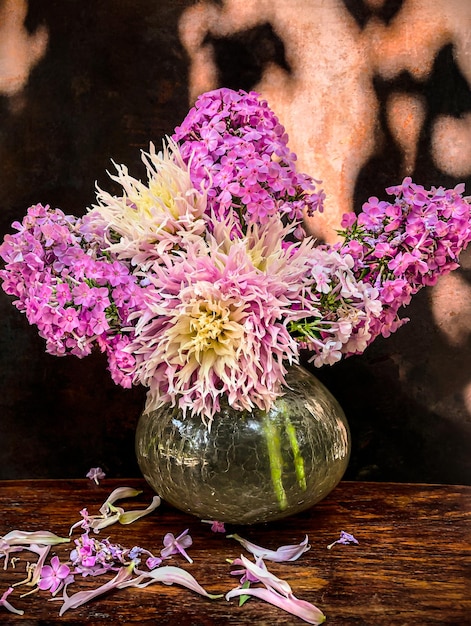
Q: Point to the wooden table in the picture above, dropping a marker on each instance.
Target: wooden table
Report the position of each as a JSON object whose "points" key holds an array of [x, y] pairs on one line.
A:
{"points": [[412, 564]]}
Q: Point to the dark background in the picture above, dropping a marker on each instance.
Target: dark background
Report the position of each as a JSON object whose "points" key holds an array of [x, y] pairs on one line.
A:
{"points": [[114, 77]]}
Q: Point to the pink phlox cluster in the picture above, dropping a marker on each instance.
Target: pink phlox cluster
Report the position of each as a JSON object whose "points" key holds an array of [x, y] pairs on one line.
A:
{"points": [[343, 309], [401, 246], [77, 300], [238, 151]]}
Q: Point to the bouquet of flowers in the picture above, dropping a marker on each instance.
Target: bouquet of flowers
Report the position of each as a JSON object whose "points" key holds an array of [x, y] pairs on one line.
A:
{"points": [[201, 284]]}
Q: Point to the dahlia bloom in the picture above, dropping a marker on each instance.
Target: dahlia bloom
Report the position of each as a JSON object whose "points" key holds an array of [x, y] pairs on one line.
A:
{"points": [[147, 220], [214, 325]]}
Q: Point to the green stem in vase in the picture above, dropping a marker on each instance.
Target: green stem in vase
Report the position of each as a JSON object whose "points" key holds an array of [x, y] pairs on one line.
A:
{"points": [[273, 439], [297, 457]]}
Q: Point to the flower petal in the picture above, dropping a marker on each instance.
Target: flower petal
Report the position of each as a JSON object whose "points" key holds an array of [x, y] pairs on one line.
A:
{"points": [[305, 610], [118, 494], [81, 597], [283, 553], [4, 602], [131, 516], [169, 575], [23, 538]]}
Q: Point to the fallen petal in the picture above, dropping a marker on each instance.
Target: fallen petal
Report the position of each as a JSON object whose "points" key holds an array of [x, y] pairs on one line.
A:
{"points": [[300, 608], [81, 597], [4, 602], [23, 537], [282, 554], [169, 575], [131, 516], [271, 582], [118, 494]]}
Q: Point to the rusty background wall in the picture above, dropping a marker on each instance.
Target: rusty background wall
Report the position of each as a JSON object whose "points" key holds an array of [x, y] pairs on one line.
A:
{"points": [[369, 91]]}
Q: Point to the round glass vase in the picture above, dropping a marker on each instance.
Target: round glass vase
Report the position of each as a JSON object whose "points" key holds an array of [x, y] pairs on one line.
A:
{"points": [[249, 467]]}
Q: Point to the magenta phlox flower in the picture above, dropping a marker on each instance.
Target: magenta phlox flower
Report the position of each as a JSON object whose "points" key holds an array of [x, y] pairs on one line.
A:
{"points": [[237, 130], [175, 545], [5, 603], [281, 554], [216, 527], [52, 576], [345, 539]]}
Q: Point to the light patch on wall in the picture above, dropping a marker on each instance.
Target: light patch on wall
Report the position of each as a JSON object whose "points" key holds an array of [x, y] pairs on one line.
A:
{"points": [[19, 50], [406, 114], [451, 305], [410, 43], [451, 141]]}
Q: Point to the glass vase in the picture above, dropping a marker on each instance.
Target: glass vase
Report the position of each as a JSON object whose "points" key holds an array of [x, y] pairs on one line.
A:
{"points": [[249, 467]]}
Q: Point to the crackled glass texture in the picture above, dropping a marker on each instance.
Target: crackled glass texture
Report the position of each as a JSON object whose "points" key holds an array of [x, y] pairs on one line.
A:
{"points": [[251, 466]]}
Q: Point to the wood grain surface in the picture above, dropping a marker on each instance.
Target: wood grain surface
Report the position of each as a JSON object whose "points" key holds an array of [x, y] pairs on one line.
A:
{"points": [[412, 565]]}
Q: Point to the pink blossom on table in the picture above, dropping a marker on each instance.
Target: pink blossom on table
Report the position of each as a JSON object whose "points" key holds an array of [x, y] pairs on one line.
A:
{"points": [[93, 557], [281, 554], [216, 527], [277, 592], [5, 603], [96, 474], [345, 539], [153, 561], [176, 545], [52, 576]]}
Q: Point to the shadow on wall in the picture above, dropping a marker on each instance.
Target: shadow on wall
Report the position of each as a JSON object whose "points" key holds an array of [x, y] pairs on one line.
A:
{"points": [[103, 82]]}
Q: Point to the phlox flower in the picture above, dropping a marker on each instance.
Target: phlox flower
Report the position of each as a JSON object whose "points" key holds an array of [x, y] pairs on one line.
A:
{"points": [[177, 545], [344, 308], [344, 539], [53, 576], [95, 474]]}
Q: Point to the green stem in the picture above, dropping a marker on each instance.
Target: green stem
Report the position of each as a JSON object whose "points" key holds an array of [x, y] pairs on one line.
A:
{"points": [[298, 459], [272, 435]]}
